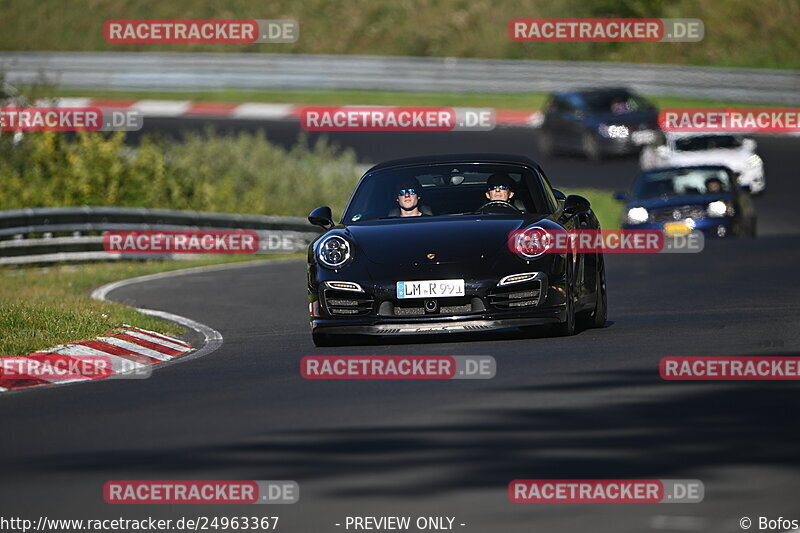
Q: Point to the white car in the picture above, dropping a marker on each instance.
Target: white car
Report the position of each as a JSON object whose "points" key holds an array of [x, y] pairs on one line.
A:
{"points": [[686, 149]]}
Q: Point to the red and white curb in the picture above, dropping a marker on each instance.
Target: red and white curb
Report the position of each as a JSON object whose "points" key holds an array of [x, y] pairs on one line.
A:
{"points": [[127, 350], [170, 350], [252, 110]]}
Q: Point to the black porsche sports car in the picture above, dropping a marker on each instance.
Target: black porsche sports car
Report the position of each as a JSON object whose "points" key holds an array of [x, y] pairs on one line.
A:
{"points": [[422, 247]]}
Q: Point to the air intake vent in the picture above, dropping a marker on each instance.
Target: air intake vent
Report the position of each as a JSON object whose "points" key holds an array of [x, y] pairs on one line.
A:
{"points": [[525, 294], [346, 302]]}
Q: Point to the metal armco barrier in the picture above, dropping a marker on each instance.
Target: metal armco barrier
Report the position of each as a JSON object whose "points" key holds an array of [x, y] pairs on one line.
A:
{"points": [[209, 71], [63, 234]]}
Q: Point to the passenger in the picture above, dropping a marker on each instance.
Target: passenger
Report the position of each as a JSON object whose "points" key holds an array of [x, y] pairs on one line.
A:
{"points": [[408, 196]]}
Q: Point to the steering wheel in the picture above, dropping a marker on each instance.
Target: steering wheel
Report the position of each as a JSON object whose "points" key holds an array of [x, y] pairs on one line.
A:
{"points": [[498, 206]]}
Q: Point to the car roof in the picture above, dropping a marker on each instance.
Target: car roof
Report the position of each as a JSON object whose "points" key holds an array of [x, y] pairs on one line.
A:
{"points": [[456, 158]]}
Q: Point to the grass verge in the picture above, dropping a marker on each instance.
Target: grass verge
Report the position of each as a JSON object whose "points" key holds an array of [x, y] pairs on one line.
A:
{"points": [[605, 207], [740, 33], [42, 307]]}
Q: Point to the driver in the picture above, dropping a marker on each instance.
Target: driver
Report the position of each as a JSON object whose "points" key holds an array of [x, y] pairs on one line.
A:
{"points": [[713, 185], [499, 188]]}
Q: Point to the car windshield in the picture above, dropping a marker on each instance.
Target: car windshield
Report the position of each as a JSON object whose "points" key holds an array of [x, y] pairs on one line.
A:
{"points": [[678, 182], [707, 142], [617, 103], [444, 190]]}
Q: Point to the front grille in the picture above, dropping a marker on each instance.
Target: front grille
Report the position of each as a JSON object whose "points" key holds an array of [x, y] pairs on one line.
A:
{"points": [[346, 302], [669, 214], [525, 294], [449, 306]]}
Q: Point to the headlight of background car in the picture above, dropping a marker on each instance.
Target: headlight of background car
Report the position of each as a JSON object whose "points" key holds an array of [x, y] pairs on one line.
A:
{"points": [[754, 161], [720, 209], [333, 251], [637, 215], [613, 131]]}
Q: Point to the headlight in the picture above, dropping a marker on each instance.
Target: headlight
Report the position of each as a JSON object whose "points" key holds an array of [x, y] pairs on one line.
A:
{"points": [[719, 209], [637, 215], [754, 161], [531, 242], [613, 131], [333, 252]]}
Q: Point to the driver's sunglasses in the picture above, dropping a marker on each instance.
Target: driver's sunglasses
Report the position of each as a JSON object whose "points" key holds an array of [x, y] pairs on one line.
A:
{"points": [[498, 188], [403, 192]]}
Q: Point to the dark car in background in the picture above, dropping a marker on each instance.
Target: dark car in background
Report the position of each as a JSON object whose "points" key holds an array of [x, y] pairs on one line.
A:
{"points": [[597, 123], [694, 198], [450, 268]]}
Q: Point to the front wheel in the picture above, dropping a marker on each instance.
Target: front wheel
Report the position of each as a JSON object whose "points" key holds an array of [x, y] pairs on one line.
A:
{"points": [[321, 340], [597, 318], [567, 328], [544, 142], [591, 147]]}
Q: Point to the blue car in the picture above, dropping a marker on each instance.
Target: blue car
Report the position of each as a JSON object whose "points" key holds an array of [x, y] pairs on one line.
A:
{"points": [[597, 123], [680, 199]]}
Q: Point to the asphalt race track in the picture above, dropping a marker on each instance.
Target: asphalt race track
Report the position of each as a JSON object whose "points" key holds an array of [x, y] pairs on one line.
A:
{"points": [[589, 406]]}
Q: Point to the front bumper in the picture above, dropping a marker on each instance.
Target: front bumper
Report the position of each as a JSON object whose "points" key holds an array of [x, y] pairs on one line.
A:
{"points": [[621, 146], [439, 324], [711, 227], [486, 305]]}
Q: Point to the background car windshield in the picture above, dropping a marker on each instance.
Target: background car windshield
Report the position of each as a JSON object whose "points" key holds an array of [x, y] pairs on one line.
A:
{"points": [[617, 103], [444, 190], [680, 182], [707, 142]]}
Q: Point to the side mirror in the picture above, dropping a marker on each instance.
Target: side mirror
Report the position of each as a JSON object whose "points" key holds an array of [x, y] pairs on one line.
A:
{"points": [[321, 216], [749, 144], [576, 204], [560, 196], [621, 196]]}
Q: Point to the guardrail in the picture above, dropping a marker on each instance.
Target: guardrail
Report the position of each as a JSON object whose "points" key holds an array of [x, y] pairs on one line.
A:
{"points": [[63, 234], [207, 71]]}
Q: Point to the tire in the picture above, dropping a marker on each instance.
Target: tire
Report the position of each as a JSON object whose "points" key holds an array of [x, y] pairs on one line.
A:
{"points": [[544, 144], [321, 340], [598, 316], [567, 328], [591, 148]]}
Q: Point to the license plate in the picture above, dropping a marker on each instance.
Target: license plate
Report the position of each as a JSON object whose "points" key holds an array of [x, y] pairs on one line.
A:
{"points": [[675, 229], [436, 288], [643, 137]]}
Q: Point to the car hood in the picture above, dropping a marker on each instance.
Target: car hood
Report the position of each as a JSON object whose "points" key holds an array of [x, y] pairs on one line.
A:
{"points": [[734, 159], [451, 239], [677, 201]]}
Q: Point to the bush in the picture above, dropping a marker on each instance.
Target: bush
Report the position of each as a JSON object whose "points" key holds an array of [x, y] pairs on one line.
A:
{"points": [[242, 173]]}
